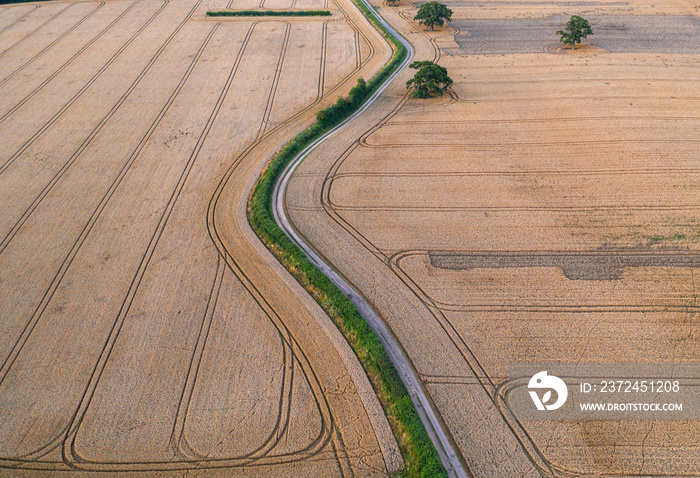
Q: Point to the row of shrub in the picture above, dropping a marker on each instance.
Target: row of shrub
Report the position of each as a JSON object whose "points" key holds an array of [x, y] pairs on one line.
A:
{"points": [[345, 106], [270, 13], [420, 455]]}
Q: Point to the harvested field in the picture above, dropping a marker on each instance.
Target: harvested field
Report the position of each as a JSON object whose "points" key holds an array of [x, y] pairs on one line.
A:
{"points": [[546, 211], [525, 9], [144, 329], [614, 33]]}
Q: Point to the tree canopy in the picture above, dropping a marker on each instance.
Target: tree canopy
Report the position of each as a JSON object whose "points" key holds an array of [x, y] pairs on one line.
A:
{"points": [[577, 29], [430, 78], [433, 13]]}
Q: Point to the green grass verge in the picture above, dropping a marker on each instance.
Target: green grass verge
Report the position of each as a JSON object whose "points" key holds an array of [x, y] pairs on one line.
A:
{"points": [[271, 13], [421, 458]]}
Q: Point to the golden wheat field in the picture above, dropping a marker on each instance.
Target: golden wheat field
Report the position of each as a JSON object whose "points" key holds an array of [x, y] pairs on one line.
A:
{"points": [[144, 330], [546, 210]]}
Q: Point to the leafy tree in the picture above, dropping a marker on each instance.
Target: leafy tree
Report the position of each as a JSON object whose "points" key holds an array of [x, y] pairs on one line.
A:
{"points": [[433, 13], [577, 29], [430, 78], [359, 91], [393, 2], [333, 113]]}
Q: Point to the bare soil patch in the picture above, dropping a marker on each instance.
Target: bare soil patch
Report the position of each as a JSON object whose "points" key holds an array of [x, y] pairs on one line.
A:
{"points": [[613, 33]]}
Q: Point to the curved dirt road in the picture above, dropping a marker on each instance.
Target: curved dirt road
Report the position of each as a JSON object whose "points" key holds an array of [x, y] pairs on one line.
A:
{"points": [[433, 424]]}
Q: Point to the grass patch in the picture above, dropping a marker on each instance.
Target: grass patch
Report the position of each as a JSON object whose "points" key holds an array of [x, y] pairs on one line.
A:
{"points": [[270, 13], [661, 238], [421, 458]]}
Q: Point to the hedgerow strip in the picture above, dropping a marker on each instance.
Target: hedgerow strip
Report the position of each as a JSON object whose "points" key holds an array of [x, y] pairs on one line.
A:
{"points": [[421, 458], [270, 13]]}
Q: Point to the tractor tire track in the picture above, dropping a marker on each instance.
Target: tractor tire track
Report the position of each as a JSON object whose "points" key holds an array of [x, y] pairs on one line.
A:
{"points": [[8, 362], [318, 442], [52, 44], [28, 35], [291, 349], [533, 453], [93, 134], [70, 454], [435, 427], [18, 20], [275, 82], [65, 65], [278, 324], [527, 443], [288, 343], [178, 439], [75, 97], [71, 457]]}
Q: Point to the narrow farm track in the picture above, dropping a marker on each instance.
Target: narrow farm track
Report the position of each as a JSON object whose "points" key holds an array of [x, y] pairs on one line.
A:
{"points": [[434, 426], [151, 299]]}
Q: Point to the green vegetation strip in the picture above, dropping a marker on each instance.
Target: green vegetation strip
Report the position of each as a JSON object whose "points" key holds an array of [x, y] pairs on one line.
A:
{"points": [[421, 458], [271, 13], [6, 2]]}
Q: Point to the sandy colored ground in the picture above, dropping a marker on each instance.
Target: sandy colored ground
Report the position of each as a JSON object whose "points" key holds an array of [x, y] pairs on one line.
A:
{"points": [[144, 328], [545, 211], [502, 9]]}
